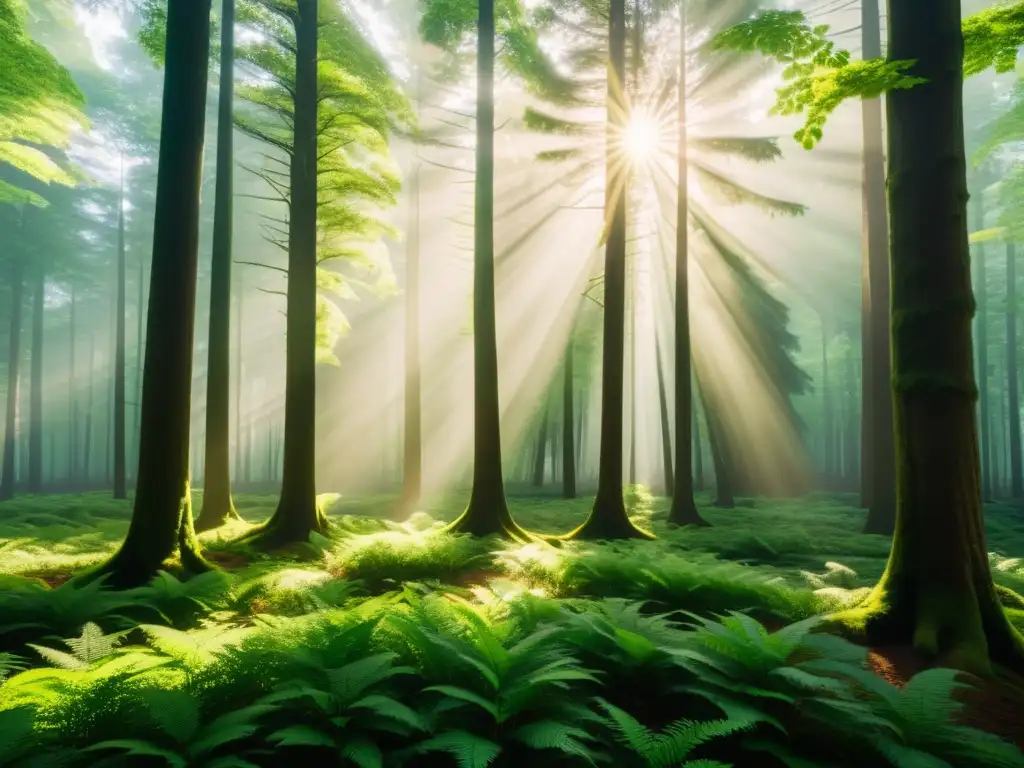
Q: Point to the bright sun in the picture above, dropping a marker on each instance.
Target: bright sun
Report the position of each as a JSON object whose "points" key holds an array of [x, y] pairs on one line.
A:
{"points": [[641, 136]]}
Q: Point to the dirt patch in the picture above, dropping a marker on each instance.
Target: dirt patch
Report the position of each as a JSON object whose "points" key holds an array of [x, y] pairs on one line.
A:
{"points": [[229, 561], [994, 706]]}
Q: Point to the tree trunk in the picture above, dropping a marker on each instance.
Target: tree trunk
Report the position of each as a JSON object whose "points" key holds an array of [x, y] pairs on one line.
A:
{"points": [[412, 455], [87, 436], [698, 454], [487, 512], [608, 519], [568, 426], [72, 396], [724, 492], [937, 591], [878, 457], [1012, 391], [297, 513], [120, 485], [540, 455], [161, 522], [666, 427], [683, 510], [35, 428], [239, 378], [17, 282], [140, 301], [218, 507], [981, 331]]}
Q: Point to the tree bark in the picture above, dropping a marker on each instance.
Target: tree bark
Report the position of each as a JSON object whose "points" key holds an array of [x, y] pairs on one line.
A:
{"points": [[666, 427], [1012, 390], [981, 332], [218, 507], [487, 512], [608, 518], [161, 522], [568, 425], [540, 455], [35, 426], [17, 282], [683, 510], [297, 514], [937, 591], [412, 455], [120, 485], [140, 301], [698, 454], [72, 393]]}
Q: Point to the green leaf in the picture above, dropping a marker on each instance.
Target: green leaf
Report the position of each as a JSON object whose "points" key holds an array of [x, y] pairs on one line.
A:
{"points": [[301, 736], [469, 750], [462, 694], [141, 748]]}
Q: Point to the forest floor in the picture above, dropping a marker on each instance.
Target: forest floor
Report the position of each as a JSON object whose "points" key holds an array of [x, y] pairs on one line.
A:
{"points": [[777, 561]]}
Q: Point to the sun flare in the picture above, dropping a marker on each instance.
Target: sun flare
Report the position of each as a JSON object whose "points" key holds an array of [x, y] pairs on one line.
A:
{"points": [[641, 136]]}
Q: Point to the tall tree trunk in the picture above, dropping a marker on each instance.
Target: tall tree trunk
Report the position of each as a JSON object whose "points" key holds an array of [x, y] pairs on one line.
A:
{"points": [[161, 522], [72, 395], [981, 332], [568, 425], [698, 454], [487, 512], [826, 409], [87, 436], [120, 485], [218, 507], [297, 513], [412, 455], [683, 510], [608, 519], [937, 591], [540, 455], [1012, 391], [35, 428], [878, 480], [17, 282], [239, 378], [666, 428], [140, 301]]}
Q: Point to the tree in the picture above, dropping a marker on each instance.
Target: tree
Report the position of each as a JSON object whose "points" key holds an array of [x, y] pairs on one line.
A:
{"points": [[161, 523], [120, 489], [326, 105], [218, 507], [937, 591], [568, 425], [683, 510]]}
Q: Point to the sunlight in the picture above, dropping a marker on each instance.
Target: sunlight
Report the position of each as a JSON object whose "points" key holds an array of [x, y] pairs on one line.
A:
{"points": [[642, 136]]}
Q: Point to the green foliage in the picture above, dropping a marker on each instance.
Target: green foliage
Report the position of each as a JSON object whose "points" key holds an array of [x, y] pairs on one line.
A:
{"points": [[818, 77], [40, 106], [992, 38]]}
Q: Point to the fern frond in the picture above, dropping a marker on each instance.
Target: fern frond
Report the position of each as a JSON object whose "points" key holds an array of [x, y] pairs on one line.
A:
{"points": [[469, 750]]}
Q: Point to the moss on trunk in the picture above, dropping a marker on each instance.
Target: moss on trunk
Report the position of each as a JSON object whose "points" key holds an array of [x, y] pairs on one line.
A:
{"points": [[937, 591]]}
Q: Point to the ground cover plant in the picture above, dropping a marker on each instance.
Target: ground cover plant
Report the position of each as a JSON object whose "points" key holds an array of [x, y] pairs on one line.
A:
{"points": [[387, 643]]}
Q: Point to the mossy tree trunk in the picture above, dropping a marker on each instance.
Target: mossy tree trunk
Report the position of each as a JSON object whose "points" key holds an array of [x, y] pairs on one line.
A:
{"points": [[487, 512], [161, 523], [878, 481], [120, 484], [297, 513], [568, 425], [35, 423], [937, 591], [698, 454], [17, 283], [608, 518], [683, 510], [981, 337], [218, 507], [1012, 391]]}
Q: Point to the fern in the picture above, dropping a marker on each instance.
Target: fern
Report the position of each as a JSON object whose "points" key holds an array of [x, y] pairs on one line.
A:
{"points": [[679, 739], [86, 649]]}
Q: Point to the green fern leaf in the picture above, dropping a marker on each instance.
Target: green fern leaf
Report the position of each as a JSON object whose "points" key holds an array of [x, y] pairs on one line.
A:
{"points": [[550, 734], [15, 730], [175, 712], [364, 753], [385, 706], [92, 645], [462, 694], [301, 736], [683, 736], [926, 702], [734, 709], [469, 750], [216, 736], [808, 682], [229, 761], [58, 658], [139, 748], [629, 730], [350, 681]]}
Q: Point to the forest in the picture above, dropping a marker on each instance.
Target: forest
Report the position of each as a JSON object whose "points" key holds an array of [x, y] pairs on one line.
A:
{"points": [[470, 383]]}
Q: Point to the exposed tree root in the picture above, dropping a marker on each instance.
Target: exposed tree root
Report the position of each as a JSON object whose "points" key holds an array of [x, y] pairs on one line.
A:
{"points": [[684, 514], [608, 522], [214, 515], [285, 528], [476, 522]]}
